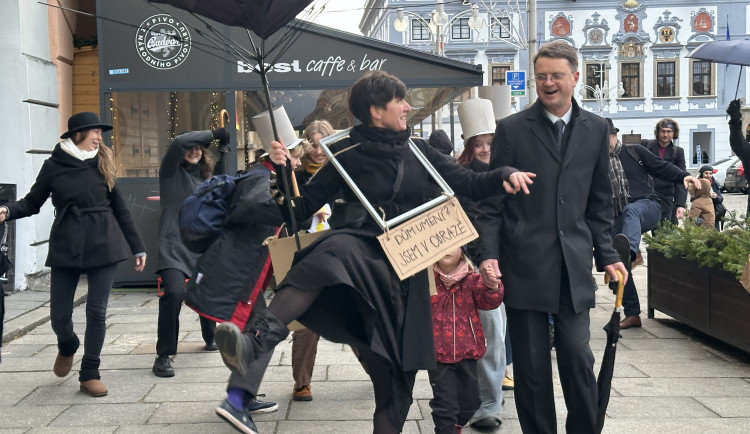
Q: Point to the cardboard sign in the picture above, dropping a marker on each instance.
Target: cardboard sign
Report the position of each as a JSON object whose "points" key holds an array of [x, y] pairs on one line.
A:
{"points": [[418, 243], [282, 253]]}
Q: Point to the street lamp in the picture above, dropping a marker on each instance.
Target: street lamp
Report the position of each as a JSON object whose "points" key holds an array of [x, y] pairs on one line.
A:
{"points": [[438, 24], [601, 91]]}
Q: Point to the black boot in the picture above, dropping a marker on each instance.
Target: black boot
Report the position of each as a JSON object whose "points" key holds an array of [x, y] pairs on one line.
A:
{"points": [[238, 349]]}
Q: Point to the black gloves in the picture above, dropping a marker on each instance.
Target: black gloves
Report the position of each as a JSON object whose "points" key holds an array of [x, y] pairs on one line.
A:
{"points": [[222, 135], [734, 111]]}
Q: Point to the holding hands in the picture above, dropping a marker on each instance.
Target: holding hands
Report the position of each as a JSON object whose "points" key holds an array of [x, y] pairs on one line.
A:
{"points": [[691, 179], [3, 213]]}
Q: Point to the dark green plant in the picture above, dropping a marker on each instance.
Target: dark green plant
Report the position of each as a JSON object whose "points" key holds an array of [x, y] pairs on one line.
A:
{"points": [[727, 250], [84, 41]]}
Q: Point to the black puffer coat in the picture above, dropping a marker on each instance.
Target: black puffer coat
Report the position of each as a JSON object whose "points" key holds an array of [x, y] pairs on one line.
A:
{"points": [[176, 182], [93, 226]]}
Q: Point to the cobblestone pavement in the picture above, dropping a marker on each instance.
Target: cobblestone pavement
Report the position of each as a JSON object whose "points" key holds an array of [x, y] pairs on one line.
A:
{"points": [[668, 378]]}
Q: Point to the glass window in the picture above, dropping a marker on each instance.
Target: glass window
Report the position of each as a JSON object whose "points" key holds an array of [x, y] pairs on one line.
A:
{"points": [[665, 79], [594, 78], [500, 28], [498, 74], [460, 29], [146, 122], [631, 80], [419, 32], [702, 78]]}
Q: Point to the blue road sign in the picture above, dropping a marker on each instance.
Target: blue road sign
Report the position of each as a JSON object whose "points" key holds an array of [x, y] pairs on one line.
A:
{"points": [[517, 82]]}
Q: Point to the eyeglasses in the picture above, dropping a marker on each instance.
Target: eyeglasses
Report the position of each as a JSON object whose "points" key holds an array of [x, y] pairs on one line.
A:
{"points": [[554, 77]]}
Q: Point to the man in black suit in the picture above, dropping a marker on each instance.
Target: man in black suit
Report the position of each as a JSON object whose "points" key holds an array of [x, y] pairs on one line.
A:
{"points": [[544, 240], [672, 195]]}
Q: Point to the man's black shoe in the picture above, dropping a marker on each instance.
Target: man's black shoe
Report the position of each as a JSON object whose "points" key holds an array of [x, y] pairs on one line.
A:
{"points": [[211, 346], [163, 366], [255, 405], [487, 424], [240, 419]]}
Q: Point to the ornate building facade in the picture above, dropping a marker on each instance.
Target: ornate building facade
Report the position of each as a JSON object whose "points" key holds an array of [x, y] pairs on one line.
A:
{"points": [[632, 56]]}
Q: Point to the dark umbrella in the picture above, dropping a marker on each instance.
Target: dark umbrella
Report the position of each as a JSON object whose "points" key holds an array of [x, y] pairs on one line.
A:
{"points": [[263, 18], [604, 380], [733, 52]]}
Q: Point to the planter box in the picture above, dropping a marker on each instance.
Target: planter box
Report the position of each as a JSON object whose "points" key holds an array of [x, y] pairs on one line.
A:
{"points": [[707, 299]]}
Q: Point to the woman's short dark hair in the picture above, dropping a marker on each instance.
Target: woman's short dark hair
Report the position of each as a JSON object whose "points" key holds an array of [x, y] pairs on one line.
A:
{"points": [[375, 88], [667, 123]]}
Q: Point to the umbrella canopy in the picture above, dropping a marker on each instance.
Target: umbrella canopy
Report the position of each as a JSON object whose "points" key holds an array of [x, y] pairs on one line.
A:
{"points": [[733, 52], [262, 17]]}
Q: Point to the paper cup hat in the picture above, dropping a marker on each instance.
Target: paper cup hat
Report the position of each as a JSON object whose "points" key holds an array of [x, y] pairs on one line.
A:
{"points": [[476, 117], [262, 123], [499, 95]]}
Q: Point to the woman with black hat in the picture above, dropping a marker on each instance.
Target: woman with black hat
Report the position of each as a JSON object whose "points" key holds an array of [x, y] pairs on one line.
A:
{"points": [[93, 231]]}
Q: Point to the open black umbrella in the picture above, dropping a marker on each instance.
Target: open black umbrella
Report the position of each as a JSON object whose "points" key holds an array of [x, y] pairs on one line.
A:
{"points": [[263, 18], [733, 52], [604, 380]]}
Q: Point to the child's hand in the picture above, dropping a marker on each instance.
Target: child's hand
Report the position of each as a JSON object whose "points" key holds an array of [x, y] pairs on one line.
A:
{"points": [[491, 274]]}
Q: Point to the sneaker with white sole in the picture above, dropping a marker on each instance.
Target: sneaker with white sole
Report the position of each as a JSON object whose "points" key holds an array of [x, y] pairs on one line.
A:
{"points": [[240, 419], [256, 406]]}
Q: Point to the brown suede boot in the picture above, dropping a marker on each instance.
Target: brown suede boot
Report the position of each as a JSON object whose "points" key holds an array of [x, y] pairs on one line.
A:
{"points": [[94, 388], [62, 365]]}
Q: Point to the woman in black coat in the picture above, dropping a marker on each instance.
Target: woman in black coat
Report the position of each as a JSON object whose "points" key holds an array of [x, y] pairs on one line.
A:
{"points": [[185, 165], [342, 286], [93, 231]]}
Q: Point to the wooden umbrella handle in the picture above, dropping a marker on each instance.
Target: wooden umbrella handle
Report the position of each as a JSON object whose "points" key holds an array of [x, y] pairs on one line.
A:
{"points": [[295, 187], [223, 117]]}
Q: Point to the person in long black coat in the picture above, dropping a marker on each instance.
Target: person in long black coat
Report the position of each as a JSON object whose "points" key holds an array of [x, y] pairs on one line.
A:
{"points": [[185, 165], [740, 144], [93, 231], [342, 286], [544, 240]]}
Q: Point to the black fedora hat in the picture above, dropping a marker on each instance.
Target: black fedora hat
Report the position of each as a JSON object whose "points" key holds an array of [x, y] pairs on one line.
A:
{"points": [[612, 129], [84, 121]]}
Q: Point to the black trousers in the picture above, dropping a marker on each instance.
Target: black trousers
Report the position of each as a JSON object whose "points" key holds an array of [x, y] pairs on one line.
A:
{"points": [[532, 370], [63, 282], [455, 394], [170, 304]]}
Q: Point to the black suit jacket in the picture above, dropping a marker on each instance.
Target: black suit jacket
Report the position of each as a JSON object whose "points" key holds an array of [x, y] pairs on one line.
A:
{"points": [[675, 155], [567, 215]]}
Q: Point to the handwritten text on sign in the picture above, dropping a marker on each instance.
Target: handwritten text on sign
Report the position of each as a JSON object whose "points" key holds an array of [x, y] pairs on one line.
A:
{"points": [[418, 243]]}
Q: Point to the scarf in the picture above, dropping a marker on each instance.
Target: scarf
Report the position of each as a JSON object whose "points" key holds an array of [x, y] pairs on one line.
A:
{"points": [[70, 148], [619, 181], [456, 275], [381, 141], [312, 168]]}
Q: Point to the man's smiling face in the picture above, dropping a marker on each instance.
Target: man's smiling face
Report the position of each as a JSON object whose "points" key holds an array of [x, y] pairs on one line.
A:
{"points": [[555, 82]]}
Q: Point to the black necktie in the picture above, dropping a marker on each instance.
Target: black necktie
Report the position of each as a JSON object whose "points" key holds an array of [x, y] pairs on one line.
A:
{"points": [[559, 127]]}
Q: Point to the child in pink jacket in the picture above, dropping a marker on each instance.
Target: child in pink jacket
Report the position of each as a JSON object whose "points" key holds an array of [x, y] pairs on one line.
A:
{"points": [[459, 340]]}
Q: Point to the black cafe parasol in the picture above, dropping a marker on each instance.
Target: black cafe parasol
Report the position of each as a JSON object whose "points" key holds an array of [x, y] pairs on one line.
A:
{"points": [[732, 52], [604, 380], [263, 18]]}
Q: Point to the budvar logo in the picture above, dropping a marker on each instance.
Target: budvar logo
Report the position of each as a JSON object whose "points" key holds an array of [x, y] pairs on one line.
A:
{"points": [[162, 41]]}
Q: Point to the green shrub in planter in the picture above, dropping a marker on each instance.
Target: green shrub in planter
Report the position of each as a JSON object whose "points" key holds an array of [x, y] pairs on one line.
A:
{"points": [[727, 249]]}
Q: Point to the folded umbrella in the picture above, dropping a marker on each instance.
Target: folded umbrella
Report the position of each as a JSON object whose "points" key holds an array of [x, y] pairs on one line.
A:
{"points": [[604, 380]]}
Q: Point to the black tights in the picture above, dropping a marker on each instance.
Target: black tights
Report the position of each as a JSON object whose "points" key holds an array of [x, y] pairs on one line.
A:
{"points": [[290, 303]]}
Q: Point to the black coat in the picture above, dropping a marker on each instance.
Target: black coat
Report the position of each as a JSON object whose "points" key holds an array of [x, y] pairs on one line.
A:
{"points": [[567, 215], [366, 303], [176, 182], [741, 147], [92, 226], [472, 209], [665, 189]]}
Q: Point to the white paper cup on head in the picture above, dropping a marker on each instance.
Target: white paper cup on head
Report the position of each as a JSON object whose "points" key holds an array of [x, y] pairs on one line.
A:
{"points": [[476, 117], [499, 94], [284, 127]]}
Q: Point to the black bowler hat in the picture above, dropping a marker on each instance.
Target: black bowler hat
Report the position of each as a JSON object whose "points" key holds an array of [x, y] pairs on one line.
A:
{"points": [[612, 129], [84, 121]]}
